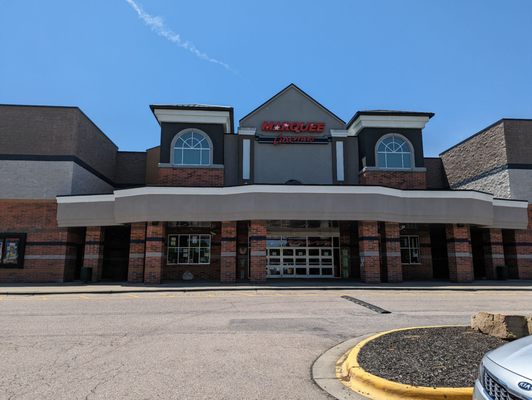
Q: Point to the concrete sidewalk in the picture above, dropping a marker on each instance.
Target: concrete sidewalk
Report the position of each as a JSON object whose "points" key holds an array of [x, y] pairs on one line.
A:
{"points": [[198, 286]]}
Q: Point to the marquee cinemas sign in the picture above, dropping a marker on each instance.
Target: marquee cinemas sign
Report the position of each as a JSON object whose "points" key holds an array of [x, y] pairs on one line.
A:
{"points": [[294, 128]]}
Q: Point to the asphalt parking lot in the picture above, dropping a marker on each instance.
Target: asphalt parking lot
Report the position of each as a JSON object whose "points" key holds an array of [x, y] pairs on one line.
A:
{"points": [[204, 345]]}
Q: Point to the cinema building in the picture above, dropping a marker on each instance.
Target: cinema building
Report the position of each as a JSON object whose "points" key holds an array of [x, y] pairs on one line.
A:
{"points": [[292, 192]]}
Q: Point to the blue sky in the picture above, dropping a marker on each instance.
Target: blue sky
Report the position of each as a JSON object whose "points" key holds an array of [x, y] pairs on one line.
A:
{"points": [[469, 61]]}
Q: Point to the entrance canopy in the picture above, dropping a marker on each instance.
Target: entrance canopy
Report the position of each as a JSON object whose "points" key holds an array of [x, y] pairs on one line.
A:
{"points": [[268, 202]]}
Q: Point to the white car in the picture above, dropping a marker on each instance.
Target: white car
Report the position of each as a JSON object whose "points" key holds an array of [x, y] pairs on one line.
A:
{"points": [[506, 372]]}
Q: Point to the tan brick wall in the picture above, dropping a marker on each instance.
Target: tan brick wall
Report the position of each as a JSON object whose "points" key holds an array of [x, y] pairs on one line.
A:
{"points": [[257, 239], [228, 253], [459, 253], [168, 176], [137, 249], [465, 161], [368, 244], [395, 179], [47, 248]]}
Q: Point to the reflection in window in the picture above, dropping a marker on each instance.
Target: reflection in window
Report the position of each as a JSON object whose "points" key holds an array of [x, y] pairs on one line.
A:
{"points": [[189, 249], [409, 249], [192, 148], [394, 152], [12, 250]]}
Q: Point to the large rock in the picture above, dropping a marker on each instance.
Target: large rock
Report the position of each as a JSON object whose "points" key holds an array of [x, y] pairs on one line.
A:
{"points": [[502, 326]]}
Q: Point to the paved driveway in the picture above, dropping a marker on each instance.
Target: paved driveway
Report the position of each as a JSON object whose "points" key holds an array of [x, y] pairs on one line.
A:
{"points": [[212, 345]]}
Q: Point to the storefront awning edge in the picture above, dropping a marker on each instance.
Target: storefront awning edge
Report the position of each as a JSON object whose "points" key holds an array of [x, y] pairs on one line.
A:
{"points": [[291, 202]]}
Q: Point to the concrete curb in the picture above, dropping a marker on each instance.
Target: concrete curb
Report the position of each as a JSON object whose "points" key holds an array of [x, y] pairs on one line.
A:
{"points": [[324, 370], [352, 375], [97, 289]]}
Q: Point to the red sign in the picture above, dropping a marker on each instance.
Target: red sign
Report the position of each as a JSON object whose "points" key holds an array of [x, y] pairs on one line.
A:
{"points": [[313, 127]]}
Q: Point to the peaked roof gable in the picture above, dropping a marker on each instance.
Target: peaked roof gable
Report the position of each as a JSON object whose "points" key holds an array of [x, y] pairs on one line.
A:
{"points": [[303, 93]]}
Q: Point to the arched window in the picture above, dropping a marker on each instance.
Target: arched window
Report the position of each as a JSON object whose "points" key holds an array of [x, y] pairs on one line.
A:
{"points": [[395, 152], [191, 147]]}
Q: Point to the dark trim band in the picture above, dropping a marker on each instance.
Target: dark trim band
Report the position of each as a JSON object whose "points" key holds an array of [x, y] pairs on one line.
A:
{"points": [[368, 238], [257, 238], [68, 244]]}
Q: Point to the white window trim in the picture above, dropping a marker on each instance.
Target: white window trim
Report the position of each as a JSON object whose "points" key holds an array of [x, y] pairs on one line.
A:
{"points": [[184, 132], [188, 247], [412, 153], [410, 248]]}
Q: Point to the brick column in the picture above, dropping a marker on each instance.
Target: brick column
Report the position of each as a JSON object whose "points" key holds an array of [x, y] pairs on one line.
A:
{"points": [[459, 253], [368, 245], [154, 255], [523, 250], [137, 248], [93, 256], [493, 252], [393, 252], [228, 252], [425, 251], [257, 240]]}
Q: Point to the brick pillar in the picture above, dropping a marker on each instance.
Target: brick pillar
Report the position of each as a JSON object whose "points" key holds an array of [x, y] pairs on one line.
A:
{"points": [[257, 240], [368, 245], [459, 253], [425, 248], [93, 256], [493, 252], [393, 252], [228, 252], [154, 255], [137, 248], [523, 252]]}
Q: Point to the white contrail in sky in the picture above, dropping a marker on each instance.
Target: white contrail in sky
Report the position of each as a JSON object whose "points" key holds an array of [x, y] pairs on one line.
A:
{"points": [[156, 23]]}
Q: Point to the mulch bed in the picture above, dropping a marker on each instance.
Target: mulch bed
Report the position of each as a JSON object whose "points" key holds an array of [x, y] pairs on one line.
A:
{"points": [[444, 357]]}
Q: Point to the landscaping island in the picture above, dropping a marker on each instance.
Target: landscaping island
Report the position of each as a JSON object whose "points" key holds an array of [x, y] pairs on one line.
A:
{"points": [[430, 357]]}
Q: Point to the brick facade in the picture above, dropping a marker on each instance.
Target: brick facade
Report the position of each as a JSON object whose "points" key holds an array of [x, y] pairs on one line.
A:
{"points": [[523, 249], [392, 249], [211, 271], [459, 253], [48, 251], [93, 255], [228, 252], [368, 243], [205, 177], [395, 179], [493, 252], [155, 252], [257, 259], [137, 250], [423, 270]]}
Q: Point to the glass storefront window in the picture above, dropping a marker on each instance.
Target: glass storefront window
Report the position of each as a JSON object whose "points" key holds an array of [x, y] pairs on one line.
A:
{"points": [[301, 256], [189, 249], [410, 249], [301, 224]]}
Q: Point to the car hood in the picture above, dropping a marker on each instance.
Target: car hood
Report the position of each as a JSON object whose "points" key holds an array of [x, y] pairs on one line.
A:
{"points": [[515, 356]]}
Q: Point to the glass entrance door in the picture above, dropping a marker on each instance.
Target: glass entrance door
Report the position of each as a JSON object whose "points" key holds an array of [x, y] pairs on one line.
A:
{"points": [[301, 256]]}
